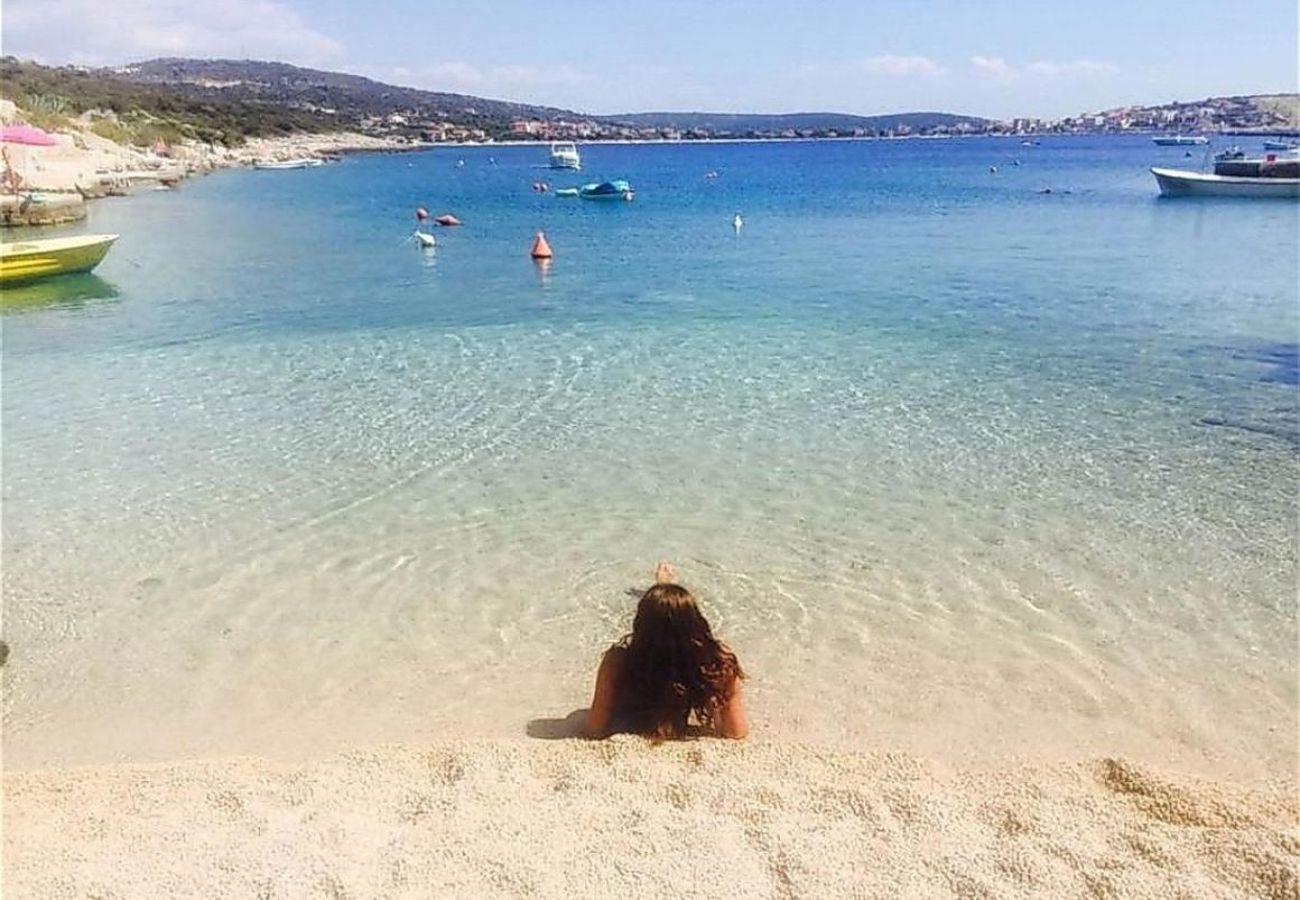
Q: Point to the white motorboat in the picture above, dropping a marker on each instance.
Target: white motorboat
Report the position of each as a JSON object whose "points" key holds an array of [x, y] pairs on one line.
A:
{"points": [[304, 163], [564, 155], [1180, 140], [1181, 183]]}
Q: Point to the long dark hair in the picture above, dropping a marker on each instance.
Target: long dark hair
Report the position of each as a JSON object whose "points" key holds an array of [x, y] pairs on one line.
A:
{"points": [[675, 667]]}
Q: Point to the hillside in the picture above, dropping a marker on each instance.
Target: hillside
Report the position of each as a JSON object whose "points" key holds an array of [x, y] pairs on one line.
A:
{"points": [[338, 95], [143, 113]]}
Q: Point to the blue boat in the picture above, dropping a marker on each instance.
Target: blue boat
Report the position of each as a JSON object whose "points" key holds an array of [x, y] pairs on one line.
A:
{"points": [[607, 190]]}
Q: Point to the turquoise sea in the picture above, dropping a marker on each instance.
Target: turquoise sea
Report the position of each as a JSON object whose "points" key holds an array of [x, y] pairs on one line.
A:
{"points": [[958, 467]]}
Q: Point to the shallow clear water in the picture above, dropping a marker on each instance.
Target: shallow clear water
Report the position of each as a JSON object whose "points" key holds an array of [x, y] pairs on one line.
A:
{"points": [[956, 466]]}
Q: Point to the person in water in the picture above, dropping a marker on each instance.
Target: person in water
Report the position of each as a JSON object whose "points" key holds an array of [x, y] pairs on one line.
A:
{"points": [[669, 678]]}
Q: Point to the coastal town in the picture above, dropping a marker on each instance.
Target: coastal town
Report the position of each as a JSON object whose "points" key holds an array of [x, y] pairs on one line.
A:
{"points": [[1223, 115]]}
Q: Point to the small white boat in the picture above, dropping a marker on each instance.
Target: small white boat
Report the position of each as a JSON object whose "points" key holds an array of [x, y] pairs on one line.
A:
{"points": [[1181, 183], [1180, 140], [564, 155], [1282, 145], [304, 163]]}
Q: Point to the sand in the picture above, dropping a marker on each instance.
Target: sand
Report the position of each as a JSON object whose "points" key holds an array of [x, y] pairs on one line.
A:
{"points": [[571, 818]]}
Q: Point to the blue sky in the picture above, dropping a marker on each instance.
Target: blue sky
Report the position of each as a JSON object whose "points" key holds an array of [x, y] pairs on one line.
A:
{"points": [[996, 58]]}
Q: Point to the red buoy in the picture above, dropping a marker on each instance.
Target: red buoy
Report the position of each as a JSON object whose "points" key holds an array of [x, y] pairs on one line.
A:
{"points": [[541, 249], [421, 213]]}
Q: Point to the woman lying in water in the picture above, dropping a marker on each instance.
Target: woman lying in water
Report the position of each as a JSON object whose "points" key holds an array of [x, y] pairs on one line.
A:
{"points": [[670, 677]]}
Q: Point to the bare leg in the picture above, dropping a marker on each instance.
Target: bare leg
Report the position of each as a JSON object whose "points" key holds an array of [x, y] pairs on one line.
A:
{"points": [[665, 574]]}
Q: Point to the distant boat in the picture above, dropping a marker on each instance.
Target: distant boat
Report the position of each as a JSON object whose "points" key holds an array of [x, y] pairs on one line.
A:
{"points": [[1281, 145], [567, 192], [607, 190], [564, 155], [1181, 183], [47, 257], [304, 163], [1179, 140]]}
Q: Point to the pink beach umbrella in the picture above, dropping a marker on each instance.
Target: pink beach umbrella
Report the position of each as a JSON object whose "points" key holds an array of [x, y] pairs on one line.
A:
{"points": [[26, 134]]}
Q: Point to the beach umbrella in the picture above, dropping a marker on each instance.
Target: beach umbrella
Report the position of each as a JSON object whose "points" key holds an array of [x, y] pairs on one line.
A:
{"points": [[22, 136], [26, 134]]}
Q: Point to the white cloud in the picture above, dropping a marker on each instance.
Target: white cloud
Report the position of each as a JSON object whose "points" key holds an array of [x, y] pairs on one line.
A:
{"points": [[998, 69], [890, 64], [102, 32], [992, 67], [1075, 67], [490, 81]]}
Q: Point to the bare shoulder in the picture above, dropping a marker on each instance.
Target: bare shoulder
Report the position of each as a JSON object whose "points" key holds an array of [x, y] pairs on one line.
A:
{"points": [[613, 659]]}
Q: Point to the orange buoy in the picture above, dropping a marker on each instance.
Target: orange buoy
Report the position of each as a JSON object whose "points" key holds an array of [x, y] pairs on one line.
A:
{"points": [[541, 249], [421, 213]]}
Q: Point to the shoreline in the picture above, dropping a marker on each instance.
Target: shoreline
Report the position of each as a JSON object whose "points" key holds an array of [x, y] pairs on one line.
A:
{"points": [[60, 180], [576, 818], [83, 166]]}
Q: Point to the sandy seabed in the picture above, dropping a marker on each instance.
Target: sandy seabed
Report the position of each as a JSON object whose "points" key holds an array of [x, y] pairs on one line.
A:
{"points": [[571, 818]]}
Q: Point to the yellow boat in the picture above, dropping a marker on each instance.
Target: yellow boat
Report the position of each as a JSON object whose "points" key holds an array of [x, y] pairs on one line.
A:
{"points": [[31, 260]]}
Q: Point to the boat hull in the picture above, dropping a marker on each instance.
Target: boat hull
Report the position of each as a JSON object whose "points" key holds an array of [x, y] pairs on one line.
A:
{"points": [[290, 164], [1178, 183], [26, 261]]}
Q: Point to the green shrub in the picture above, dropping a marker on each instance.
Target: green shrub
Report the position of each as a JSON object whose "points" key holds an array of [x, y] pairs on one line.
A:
{"points": [[113, 131]]}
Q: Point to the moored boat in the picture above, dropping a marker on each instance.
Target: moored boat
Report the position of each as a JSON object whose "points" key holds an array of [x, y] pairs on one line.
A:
{"points": [[1281, 145], [1181, 183], [564, 155], [607, 190], [304, 163], [23, 261], [1179, 140]]}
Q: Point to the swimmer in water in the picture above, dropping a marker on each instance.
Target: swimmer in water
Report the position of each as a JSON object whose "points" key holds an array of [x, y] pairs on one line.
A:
{"points": [[670, 678]]}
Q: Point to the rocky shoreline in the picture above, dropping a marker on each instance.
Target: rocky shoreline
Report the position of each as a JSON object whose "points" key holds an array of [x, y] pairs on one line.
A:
{"points": [[54, 183]]}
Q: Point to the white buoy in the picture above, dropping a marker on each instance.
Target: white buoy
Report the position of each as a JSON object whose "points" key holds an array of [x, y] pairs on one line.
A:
{"points": [[424, 239], [737, 222]]}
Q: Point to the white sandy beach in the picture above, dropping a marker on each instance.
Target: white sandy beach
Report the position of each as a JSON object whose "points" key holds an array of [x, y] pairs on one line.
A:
{"points": [[571, 818]]}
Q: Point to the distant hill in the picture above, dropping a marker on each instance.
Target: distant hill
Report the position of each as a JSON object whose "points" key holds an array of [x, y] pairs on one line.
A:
{"points": [[741, 123], [353, 98], [226, 101], [348, 98]]}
